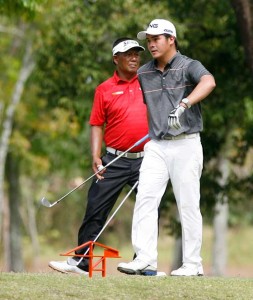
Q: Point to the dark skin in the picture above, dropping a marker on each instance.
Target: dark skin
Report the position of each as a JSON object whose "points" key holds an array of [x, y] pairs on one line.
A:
{"points": [[127, 64]]}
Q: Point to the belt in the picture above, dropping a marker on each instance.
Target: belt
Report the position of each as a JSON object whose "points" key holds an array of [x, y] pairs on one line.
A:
{"points": [[181, 136], [131, 155]]}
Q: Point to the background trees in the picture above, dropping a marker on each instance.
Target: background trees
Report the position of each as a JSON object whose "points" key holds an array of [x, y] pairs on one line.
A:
{"points": [[65, 48]]}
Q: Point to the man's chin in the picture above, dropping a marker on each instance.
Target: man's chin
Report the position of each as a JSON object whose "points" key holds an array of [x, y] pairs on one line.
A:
{"points": [[132, 70], [155, 55]]}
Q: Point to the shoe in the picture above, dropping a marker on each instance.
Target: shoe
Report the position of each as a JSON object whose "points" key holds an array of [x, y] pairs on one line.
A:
{"points": [[137, 267], [65, 267], [160, 274], [188, 270], [200, 270]]}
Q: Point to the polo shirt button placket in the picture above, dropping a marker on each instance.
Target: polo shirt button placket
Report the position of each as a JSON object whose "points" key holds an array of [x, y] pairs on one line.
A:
{"points": [[163, 83]]}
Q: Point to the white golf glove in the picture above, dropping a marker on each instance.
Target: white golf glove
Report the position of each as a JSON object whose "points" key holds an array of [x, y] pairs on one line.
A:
{"points": [[173, 119]]}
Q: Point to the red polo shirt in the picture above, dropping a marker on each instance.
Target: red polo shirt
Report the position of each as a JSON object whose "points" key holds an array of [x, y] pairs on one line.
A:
{"points": [[118, 105]]}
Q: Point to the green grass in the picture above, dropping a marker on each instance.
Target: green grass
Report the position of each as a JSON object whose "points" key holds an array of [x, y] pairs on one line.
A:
{"points": [[49, 286], [46, 284], [239, 246]]}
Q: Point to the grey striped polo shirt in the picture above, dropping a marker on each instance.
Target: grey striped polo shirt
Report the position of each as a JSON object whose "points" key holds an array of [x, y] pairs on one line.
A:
{"points": [[163, 91]]}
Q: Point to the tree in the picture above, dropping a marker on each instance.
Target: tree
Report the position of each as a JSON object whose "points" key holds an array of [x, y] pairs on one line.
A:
{"points": [[24, 8], [12, 239], [26, 69], [244, 13]]}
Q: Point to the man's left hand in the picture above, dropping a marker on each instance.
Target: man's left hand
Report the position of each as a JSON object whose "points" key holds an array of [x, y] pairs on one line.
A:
{"points": [[173, 119]]}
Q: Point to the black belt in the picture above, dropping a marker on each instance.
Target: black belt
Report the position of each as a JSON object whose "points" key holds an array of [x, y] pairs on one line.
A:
{"points": [[131, 155]]}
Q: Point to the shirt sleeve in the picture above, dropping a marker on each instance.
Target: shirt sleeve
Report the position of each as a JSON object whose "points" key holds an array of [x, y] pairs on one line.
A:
{"points": [[139, 79], [97, 116], [196, 70]]}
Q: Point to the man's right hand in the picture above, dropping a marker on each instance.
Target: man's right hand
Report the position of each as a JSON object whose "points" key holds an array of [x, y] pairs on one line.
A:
{"points": [[97, 166]]}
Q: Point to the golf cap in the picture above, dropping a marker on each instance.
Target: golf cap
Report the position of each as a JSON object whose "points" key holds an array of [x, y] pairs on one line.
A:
{"points": [[157, 27], [126, 45]]}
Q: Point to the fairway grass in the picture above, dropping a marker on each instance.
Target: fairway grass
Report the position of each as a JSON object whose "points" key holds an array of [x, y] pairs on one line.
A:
{"points": [[49, 286]]}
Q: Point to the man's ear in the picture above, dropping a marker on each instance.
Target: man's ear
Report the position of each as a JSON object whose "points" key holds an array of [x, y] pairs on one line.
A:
{"points": [[115, 59], [172, 38]]}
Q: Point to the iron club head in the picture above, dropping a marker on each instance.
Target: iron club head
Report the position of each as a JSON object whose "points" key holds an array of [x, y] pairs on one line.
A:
{"points": [[45, 202]]}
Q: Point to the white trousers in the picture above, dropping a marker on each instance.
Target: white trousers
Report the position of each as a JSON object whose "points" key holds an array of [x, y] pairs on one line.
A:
{"points": [[181, 162]]}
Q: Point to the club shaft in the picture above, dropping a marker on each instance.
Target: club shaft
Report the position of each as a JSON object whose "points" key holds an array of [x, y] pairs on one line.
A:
{"points": [[121, 203], [114, 213]]}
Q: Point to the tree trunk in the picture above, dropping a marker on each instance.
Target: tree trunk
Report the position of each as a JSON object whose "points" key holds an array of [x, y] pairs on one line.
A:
{"points": [[6, 235], [177, 255], [220, 239], [1, 111], [177, 259], [26, 70], [244, 14], [15, 247], [32, 229], [221, 211]]}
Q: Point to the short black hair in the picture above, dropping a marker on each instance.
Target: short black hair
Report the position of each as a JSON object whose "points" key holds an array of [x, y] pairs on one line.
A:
{"points": [[168, 36]]}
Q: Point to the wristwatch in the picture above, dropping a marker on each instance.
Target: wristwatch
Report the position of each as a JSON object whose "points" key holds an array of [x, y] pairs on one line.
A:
{"points": [[186, 102]]}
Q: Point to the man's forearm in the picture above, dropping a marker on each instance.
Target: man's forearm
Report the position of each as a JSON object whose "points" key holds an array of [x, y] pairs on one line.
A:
{"points": [[96, 141]]}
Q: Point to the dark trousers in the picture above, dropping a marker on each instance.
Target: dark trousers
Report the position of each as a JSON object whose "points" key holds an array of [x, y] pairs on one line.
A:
{"points": [[103, 195]]}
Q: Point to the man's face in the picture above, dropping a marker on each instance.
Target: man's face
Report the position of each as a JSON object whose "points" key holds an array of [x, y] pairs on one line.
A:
{"points": [[128, 61], [159, 46]]}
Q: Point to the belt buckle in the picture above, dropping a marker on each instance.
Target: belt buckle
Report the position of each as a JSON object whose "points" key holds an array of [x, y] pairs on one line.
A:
{"points": [[133, 155], [168, 138], [130, 155]]}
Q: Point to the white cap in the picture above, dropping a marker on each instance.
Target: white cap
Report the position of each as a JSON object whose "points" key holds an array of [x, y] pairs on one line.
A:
{"points": [[126, 45], [157, 27]]}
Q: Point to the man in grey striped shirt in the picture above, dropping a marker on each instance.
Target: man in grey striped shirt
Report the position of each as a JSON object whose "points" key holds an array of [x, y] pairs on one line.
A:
{"points": [[173, 86]]}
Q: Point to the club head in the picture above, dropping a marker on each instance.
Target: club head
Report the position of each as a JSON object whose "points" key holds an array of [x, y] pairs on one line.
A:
{"points": [[45, 202]]}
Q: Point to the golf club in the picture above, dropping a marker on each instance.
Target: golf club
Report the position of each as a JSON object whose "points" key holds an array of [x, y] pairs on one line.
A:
{"points": [[46, 203]]}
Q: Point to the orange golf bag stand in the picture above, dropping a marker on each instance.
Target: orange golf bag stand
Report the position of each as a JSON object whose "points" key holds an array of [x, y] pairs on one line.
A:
{"points": [[100, 264]]}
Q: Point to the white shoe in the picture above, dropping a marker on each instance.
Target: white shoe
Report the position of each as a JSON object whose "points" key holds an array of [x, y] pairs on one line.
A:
{"points": [[200, 270], [137, 267], [64, 267], [188, 270], [160, 274]]}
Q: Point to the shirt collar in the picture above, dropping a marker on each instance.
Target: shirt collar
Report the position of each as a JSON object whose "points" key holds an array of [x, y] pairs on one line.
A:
{"points": [[170, 62], [173, 59], [118, 79]]}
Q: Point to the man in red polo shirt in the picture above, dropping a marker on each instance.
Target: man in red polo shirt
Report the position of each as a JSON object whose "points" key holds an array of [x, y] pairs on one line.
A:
{"points": [[118, 118]]}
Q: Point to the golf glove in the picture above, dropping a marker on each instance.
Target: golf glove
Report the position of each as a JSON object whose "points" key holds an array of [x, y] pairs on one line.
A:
{"points": [[173, 119]]}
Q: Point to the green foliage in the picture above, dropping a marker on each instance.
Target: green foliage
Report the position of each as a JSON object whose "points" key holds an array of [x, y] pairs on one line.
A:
{"points": [[20, 8]]}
